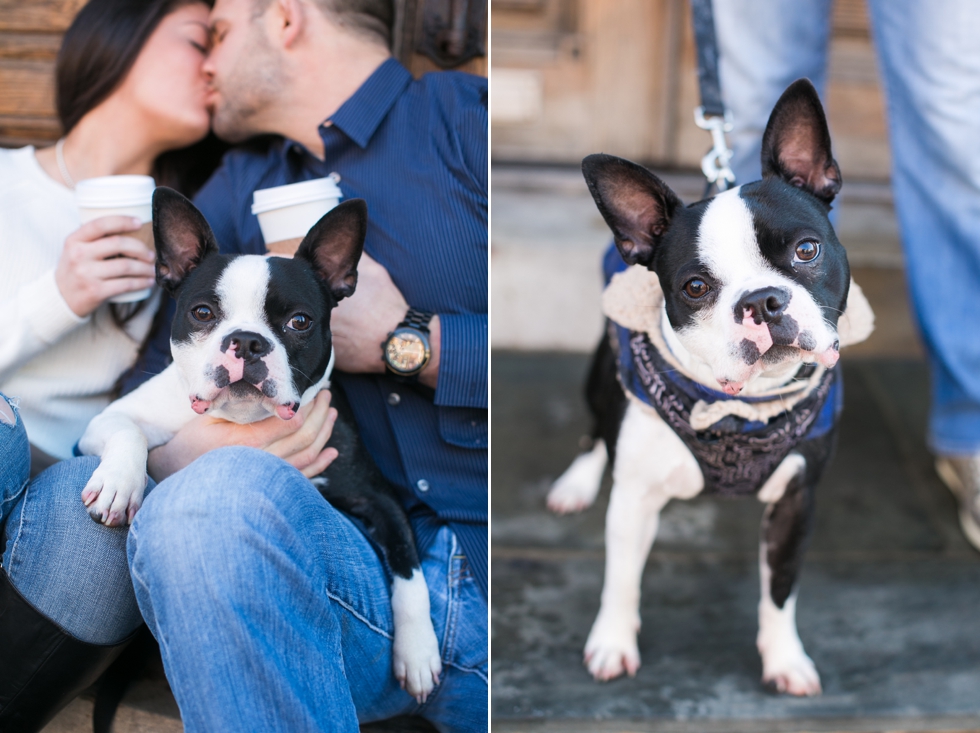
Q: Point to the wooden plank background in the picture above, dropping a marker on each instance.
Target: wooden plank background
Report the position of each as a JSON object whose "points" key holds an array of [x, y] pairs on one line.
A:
{"points": [[620, 76], [30, 34]]}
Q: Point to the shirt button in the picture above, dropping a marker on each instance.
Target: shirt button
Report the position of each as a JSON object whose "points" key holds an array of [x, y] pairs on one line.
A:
{"points": [[394, 398], [423, 484]]}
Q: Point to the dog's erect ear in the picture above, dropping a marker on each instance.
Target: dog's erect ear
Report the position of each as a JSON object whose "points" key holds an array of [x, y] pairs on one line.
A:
{"points": [[334, 245], [636, 204], [182, 235], [796, 144]]}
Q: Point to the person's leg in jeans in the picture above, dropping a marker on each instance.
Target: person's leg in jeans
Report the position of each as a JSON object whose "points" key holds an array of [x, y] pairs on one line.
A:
{"points": [[15, 457], [930, 62], [764, 46], [66, 601], [273, 612]]}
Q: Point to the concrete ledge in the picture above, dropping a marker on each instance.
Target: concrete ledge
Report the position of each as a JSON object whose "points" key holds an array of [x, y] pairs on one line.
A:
{"points": [[950, 724]]}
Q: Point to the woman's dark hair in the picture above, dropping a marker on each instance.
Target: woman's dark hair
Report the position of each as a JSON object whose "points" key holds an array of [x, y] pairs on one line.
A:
{"points": [[98, 50]]}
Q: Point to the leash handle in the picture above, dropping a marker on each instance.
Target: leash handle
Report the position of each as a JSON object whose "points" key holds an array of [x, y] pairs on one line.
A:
{"points": [[711, 115], [702, 14]]}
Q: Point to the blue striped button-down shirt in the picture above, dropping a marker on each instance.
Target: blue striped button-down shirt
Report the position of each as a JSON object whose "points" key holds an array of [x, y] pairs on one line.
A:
{"points": [[416, 151]]}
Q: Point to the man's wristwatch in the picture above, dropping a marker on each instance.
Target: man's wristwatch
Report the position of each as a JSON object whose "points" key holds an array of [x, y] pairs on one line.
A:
{"points": [[406, 350]]}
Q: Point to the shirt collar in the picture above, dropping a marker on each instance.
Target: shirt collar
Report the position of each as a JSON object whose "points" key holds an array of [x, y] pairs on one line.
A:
{"points": [[361, 115]]}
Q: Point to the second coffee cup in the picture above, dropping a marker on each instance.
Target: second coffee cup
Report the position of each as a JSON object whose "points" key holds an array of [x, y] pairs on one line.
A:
{"points": [[287, 213], [120, 196]]}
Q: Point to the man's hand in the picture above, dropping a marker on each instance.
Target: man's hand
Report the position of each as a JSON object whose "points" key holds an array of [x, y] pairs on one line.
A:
{"points": [[298, 441], [362, 322]]}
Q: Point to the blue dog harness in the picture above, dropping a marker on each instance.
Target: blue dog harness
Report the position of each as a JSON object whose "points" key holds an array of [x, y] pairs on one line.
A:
{"points": [[736, 455]]}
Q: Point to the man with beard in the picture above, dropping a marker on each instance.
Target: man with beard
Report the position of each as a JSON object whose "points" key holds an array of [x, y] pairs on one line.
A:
{"points": [[271, 608]]}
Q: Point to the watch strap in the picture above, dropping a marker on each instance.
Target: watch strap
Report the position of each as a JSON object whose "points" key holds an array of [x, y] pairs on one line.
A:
{"points": [[417, 319]]}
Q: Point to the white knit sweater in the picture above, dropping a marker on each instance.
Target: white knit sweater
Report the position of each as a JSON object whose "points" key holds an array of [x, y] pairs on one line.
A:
{"points": [[59, 366]]}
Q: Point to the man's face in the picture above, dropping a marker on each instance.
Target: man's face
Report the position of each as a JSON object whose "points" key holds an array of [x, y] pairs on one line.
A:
{"points": [[244, 68]]}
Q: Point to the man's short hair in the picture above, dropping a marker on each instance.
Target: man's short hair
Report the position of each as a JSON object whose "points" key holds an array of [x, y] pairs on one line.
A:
{"points": [[368, 18]]}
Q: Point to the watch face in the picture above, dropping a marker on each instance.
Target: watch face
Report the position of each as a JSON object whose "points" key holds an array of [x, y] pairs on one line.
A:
{"points": [[406, 351]]}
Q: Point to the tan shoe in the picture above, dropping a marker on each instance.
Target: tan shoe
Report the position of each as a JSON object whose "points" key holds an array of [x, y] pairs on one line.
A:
{"points": [[962, 476]]}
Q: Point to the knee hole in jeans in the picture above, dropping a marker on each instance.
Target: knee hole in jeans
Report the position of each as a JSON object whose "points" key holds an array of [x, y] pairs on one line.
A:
{"points": [[7, 416]]}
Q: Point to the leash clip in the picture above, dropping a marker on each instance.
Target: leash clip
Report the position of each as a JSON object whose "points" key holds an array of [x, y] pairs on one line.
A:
{"points": [[714, 165]]}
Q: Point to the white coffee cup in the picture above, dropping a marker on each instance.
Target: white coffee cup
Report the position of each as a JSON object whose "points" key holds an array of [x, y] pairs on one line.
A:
{"points": [[122, 196], [287, 213]]}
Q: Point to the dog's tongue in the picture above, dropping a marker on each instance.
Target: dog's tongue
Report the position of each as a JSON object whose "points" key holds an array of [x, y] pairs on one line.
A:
{"points": [[200, 406], [731, 388], [757, 333], [286, 412]]}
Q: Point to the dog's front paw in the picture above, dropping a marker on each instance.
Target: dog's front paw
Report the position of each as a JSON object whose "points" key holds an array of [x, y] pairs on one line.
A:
{"points": [[790, 671], [611, 648], [113, 496], [416, 660]]}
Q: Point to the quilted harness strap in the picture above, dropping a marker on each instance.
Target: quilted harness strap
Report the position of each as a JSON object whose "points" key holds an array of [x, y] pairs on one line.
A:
{"points": [[736, 455]]}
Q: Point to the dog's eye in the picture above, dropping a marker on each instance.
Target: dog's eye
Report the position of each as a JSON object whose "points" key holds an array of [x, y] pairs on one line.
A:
{"points": [[299, 322], [696, 288], [203, 314], [807, 250]]}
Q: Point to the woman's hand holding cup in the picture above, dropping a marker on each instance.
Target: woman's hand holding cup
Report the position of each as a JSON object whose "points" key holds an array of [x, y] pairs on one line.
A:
{"points": [[100, 262]]}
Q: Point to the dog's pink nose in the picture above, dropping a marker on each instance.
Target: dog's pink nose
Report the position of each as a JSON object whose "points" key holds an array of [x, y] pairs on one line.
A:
{"points": [[757, 333]]}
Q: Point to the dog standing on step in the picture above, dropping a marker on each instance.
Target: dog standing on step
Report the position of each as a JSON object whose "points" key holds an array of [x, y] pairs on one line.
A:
{"points": [[717, 373], [251, 339]]}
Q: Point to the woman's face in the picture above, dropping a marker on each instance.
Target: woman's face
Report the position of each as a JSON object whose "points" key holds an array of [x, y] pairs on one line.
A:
{"points": [[166, 84]]}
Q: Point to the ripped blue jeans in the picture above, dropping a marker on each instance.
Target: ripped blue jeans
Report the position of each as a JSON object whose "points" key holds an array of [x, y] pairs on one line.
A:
{"points": [[65, 565], [272, 609], [15, 457]]}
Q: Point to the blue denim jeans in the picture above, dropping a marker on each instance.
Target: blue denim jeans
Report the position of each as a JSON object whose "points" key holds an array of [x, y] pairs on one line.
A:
{"points": [[68, 567], [15, 458], [930, 64], [272, 610]]}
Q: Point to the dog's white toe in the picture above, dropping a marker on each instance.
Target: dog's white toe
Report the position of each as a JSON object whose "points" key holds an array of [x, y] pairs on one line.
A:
{"points": [[417, 665], [110, 500], [785, 666], [796, 676], [611, 649]]}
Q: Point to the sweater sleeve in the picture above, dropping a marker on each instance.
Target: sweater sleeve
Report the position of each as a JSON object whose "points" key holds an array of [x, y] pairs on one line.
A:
{"points": [[34, 318]]}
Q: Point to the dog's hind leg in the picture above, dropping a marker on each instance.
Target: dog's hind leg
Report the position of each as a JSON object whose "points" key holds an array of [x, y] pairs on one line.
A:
{"points": [[786, 526], [416, 657], [652, 466], [577, 488]]}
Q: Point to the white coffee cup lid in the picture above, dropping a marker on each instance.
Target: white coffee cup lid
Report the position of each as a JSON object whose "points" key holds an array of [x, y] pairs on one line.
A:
{"points": [[268, 199], [110, 192]]}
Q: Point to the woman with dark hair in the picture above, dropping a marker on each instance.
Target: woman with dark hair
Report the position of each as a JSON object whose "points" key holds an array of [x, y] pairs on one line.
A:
{"points": [[132, 99]]}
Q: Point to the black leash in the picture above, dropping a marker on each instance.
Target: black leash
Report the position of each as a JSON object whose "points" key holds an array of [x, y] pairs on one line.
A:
{"points": [[711, 115]]}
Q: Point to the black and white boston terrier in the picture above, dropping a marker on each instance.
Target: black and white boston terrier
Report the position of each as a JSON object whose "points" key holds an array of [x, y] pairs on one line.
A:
{"points": [[251, 339], [717, 372]]}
